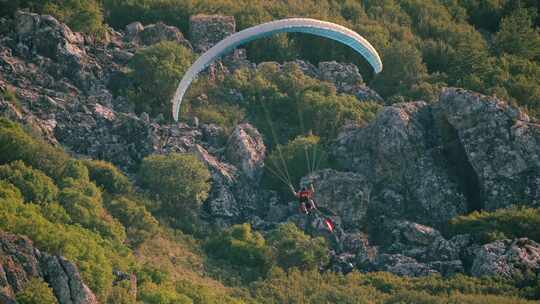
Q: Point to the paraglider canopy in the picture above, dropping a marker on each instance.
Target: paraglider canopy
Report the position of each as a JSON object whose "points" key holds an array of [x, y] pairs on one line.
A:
{"points": [[300, 25]]}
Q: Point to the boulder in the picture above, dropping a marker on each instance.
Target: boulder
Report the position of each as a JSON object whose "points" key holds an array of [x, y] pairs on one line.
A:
{"points": [[501, 144], [155, 33], [401, 265], [20, 261], [399, 154], [66, 282], [45, 36], [346, 194], [509, 259], [207, 30], [246, 150], [345, 76]]}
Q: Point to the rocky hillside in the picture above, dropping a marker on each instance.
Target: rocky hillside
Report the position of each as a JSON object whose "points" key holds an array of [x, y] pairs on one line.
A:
{"points": [[398, 181]]}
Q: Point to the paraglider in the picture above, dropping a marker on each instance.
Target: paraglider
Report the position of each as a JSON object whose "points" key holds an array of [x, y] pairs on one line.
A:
{"points": [[298, 25]]}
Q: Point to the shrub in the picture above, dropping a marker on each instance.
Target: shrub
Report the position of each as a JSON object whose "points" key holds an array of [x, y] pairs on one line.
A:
{"points": [[293, 161], [292, 248], [139, 223], [512, 222], [34, 185], [241, 246], [8, 191], [181, 181], [107, 176], [88, 250], [155, 73], [36, 292], [83, 202], [16, 144]]}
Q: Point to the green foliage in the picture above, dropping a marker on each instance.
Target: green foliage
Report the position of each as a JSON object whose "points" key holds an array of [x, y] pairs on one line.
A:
{"points": [[313, 287], [107, 176], [36, 292], [294, 160], [181, 181], [155, 73], [509, 223], [8, 191], [34, 185], [93, 256], [82, 16], [518, 35], [241, 246], [139, 223], [292, 248], [83, 202], [16, 144]]}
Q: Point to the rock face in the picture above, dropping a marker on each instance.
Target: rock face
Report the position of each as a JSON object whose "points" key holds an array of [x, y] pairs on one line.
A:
{"points": [[345, 193], [398, 153], [20, 261], [154, 33], [500, 142], [246, 150], [519, 258], [207, 30], [345, 77]]}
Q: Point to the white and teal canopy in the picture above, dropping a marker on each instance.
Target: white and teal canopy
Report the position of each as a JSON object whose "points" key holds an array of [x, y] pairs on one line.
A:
{"points": [[297, 25]]}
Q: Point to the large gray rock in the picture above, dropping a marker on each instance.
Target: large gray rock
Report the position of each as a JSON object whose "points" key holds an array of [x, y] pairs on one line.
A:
{"points": [[207, 30], [518, 258], [20, 261], [399, 155], [345, 193], [345, 76], [155, 33], [66, 282], [501, 144], [246, 150], [401, 265]]}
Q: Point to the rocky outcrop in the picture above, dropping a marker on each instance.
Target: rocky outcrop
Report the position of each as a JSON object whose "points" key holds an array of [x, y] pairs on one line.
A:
{"points": [[246, 150], [345, 193], [518, 258], [345, 77], [20, 261], [501, 144], [66, 282], [154, 33], [207, 30], [399, 155]]}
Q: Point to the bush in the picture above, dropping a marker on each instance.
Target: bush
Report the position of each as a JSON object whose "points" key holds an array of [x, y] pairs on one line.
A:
{"points": [[35, 186], [139, 223], [83, 202], [155, 74], [241, 246], [8, 191], [16, 144], [36, 292], [181, 181], [293, 161], [107, 176], [292, 248], [86, 249], [510, 223]]}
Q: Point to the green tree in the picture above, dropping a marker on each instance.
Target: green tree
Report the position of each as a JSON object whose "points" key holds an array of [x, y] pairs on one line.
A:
{"points": [[35, 186], [292, 248], [289, 163], [139, 223], [107, 176], [36, 292], [155, 73], [518, 34], [241, 246], [181, 181]]}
